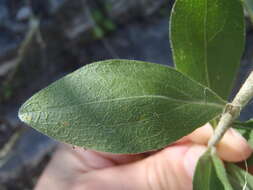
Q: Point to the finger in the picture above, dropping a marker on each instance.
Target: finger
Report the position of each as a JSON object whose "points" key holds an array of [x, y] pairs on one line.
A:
{"points": [[171, 168], [68, 163], [61, 171], [120, 158], [96, 159], [99, 160], [201, 135], [232, 147]]}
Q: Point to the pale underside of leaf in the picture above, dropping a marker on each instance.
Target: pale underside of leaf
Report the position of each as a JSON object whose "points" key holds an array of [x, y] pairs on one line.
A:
{"points": [[121, 106]]}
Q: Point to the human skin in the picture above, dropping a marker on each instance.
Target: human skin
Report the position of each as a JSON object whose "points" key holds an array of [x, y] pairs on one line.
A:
{"points": [[170, 168]]}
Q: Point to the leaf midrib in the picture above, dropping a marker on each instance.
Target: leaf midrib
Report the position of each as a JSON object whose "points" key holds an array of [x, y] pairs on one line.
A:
{"points": [[205, 45], [209, 177], [117, 124], [140, 97], [155, 96]]}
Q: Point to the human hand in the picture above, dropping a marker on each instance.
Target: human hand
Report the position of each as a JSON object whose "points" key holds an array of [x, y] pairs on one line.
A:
{"points": [[170, 168]]}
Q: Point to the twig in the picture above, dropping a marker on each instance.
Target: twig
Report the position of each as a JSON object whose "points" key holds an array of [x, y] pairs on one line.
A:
{"points": [[232, 111], [9, 145], [33, 28]]}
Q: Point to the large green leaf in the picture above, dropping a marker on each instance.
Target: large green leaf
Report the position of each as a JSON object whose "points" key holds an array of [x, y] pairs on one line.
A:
{"points": [[121, 106], [239, 178], [207, 39], [210, 174]]}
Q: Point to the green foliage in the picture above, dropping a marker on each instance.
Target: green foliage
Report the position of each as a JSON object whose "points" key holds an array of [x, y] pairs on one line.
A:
{"points": [[121, 106], [248, 125], [103, 24], [7, 91], [124, 106], [97, 16], [239, 178], [207, 39], [108, 6], [210, 174], [109, 25], [98, 32]]}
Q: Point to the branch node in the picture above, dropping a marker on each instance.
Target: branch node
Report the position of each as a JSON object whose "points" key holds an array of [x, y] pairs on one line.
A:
{"points": [[232, 111]]}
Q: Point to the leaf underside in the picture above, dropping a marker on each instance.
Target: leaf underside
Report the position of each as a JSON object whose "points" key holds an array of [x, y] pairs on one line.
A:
{"points": [[121, 106], [239, 178], [210, 174], [207, 39]]}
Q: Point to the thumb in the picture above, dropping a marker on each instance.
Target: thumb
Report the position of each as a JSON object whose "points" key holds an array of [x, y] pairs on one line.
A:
{"points": [[171, 168]]}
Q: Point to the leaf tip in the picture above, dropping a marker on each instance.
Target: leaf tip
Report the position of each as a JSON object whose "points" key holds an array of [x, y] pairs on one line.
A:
{"points": [[24, 116]]}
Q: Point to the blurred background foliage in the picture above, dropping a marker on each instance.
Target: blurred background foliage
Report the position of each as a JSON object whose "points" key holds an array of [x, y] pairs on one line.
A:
{"points": [[42, 40]]}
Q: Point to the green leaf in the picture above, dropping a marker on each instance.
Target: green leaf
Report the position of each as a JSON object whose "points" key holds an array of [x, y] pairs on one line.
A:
{"points": [[121, 106], [207, 39], [246, 130], [248, 4], [98, 32], [244, 125], [210, 174], [239, 178]]}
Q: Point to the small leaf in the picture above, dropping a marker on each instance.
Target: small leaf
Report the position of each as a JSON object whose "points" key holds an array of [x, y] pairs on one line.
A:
{"points": [[210, 174], [239, 178], [207, 39], [121, 106], [246, 130]]}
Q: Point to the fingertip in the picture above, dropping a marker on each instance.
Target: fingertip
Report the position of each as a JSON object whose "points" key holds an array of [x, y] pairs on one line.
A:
{"points": [[202, 134], [233, 147]]}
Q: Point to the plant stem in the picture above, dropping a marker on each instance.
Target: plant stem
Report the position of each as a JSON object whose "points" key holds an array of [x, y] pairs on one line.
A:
{"points": [[232, 111]]}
